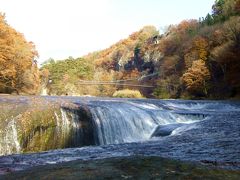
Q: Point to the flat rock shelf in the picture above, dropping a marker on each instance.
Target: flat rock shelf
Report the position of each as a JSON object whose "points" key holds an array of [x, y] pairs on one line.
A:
{"points": [[76, 137]]}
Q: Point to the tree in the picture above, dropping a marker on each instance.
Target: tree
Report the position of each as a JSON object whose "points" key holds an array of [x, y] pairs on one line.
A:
{"points": [[196, 78], [201, 46], [17, 56], [105, 89], [170, 64], [189, 57], [65, 75], [209, 20], [31, 81]]}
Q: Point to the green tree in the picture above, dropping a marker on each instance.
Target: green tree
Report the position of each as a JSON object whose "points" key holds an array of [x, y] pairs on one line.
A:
{"points": [[209, 20]]}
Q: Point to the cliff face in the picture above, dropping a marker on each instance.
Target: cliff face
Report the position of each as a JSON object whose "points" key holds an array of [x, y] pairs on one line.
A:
{"points": [[194, 59], [126, 55]]}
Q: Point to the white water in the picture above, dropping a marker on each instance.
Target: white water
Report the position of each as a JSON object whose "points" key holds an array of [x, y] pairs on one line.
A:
{"points": [[57, 119], [117, 121], [9, 142], [65, 121], [203, 106], [131, 122]]}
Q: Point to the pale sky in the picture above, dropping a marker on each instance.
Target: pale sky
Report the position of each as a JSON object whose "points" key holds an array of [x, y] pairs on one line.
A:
{"points": [[63, 28]]}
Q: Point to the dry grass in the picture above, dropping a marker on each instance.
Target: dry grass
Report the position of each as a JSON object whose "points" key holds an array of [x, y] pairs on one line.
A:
{"points": [[127, 93]]}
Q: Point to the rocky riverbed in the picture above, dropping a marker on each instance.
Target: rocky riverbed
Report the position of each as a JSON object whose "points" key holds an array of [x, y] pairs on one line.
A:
{"points": [[124, 138]]}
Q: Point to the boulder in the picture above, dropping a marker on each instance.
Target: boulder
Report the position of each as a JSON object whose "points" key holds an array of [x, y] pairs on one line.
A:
{"points": [[166, 130]]}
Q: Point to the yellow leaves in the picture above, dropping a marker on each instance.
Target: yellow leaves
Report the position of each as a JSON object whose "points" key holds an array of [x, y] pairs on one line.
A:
{"points": [[31, 81], [189, 58], [201, 45], [16, 57], [127, 93], [196, 77], [98, 62], [44, 73], [186, 25], [199, 50]]}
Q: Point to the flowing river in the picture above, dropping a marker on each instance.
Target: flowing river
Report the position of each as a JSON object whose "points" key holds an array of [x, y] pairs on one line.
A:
{"points": [[50, 130]]}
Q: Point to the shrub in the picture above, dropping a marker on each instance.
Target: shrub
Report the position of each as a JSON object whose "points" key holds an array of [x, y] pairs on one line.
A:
{"points": [[127, 93]]}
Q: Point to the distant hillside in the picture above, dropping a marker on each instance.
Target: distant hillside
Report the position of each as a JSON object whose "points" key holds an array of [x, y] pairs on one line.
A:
{"points": [[194, 59]]}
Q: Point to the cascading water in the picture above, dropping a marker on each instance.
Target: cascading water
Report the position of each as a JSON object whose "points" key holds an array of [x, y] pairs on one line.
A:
{"points": [[185, 130], [9, 141], [109, 122], [56, 129], [119, 122], [101, 122]]}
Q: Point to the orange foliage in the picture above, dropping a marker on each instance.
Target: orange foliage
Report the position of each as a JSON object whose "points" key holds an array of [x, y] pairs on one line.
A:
{"points": [[122, 51], [16, 58], [169, 65], [196, 78], [201, 46]]}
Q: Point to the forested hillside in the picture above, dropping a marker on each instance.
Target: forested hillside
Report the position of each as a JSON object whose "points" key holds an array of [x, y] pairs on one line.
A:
{"points": [[18, 70], [194, 59], [114, 63]]}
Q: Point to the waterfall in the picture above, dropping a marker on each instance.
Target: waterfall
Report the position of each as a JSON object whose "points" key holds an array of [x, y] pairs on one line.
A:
{"points": [[196, 131], [120, 122], [9, 141], [14, 135], [58, 121], [100, 122], [65, 130]]}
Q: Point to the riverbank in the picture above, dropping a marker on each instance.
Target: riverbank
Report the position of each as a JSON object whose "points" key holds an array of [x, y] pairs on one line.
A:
{"points": [[137, 167]]}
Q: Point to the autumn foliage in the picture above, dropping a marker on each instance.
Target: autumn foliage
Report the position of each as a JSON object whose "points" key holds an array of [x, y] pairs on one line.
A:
{"points": [[18, 69], [193, 59], [196, 78], [126, 93]]}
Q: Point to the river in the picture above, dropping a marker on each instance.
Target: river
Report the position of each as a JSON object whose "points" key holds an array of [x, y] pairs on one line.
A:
{"points": [[85, 128]]}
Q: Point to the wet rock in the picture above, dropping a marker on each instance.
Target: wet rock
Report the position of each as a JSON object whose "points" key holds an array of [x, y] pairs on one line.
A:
{"points": [[166, 130], [138, 167]]}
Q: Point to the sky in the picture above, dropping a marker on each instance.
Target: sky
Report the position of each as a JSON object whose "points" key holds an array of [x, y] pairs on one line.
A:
{"points": [[63, 28]]}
